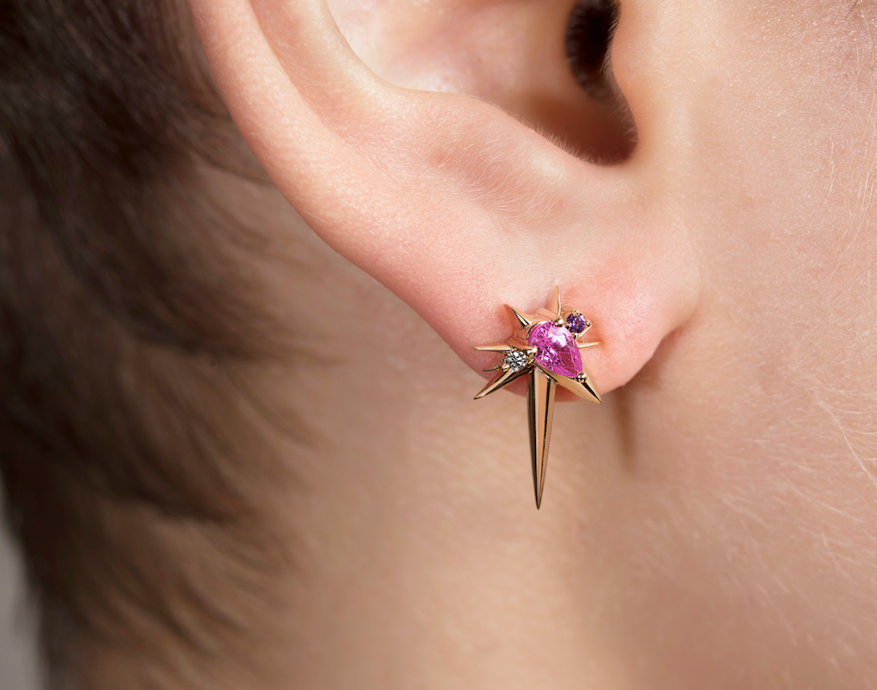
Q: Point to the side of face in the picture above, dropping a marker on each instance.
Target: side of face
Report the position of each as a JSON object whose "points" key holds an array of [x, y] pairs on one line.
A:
{"points": [[716, 217]]}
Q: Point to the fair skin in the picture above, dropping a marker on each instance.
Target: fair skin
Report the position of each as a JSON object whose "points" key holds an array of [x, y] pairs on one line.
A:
{"points": [[711, 524]]}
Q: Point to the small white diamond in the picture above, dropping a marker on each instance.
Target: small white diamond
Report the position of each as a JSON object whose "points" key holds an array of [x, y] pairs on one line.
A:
{"points": [[516, 360]]}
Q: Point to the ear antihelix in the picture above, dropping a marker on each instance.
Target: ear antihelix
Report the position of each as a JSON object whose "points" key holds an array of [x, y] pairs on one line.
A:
{"points": [[421, 128]]}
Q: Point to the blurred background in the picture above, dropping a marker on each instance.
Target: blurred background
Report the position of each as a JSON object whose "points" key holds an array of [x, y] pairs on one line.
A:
{"points": [[17, 659]]}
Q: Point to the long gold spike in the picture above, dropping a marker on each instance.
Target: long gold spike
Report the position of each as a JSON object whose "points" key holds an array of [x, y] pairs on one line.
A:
{"points": [[586, 389], [523, 319], [541, 412], [582, 346], [504, 347], [506, 378], [554, 305]]}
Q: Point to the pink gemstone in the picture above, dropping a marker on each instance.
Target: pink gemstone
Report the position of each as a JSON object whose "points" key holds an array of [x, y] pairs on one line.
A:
{"points": [[556, 349]]}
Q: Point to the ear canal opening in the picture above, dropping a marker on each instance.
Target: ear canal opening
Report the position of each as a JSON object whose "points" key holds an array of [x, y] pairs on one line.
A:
{"points": [[589, 32], [587, 42]]}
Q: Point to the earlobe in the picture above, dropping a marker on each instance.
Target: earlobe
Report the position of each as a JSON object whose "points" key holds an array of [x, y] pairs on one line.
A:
{"points": [[447, 200]]}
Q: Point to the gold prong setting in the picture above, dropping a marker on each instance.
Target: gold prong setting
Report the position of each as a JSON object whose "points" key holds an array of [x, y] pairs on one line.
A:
{"points": [[516, 360], [517, 354]]}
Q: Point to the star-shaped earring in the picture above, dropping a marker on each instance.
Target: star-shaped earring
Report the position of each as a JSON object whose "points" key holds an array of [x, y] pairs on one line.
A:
{"points": [[545, 345]]}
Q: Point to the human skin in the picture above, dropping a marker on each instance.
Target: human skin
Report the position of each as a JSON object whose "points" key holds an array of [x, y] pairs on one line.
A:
{"points": [[711, 524]]}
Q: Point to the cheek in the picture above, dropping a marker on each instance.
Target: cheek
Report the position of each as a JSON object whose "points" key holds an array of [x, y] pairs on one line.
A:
{"points": [[768, 141], [781, 125], [757, 119], [776, 115]]}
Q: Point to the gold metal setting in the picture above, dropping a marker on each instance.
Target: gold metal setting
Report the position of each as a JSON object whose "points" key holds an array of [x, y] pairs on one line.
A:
{"points": [[519, 359]]}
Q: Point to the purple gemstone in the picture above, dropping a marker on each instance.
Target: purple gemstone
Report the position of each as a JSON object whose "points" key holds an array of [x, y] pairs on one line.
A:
{"points": [[556, 349], [576, 323]]}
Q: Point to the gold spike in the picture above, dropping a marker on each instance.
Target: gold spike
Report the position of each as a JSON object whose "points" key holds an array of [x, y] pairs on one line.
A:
{"points": [[541, 412], [554, 305], [586, 389], [582, 346], [523, 319], [504, 347], [503, 380]]}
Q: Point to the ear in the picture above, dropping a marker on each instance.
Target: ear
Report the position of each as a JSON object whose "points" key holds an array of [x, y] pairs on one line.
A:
{"points": [[451, 203]]}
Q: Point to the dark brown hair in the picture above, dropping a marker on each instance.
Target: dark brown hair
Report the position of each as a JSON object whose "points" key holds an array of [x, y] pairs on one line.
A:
{"points": [[123, 307]]}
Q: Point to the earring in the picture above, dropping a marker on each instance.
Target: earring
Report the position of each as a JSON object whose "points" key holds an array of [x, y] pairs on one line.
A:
{"points": [[546, 346]]}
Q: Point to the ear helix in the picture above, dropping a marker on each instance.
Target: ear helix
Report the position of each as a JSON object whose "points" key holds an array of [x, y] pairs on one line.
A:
{"points": [[317, 59]]}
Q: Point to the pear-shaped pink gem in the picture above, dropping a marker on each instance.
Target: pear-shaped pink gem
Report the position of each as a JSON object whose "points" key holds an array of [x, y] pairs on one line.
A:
{"points": [[556, 349]]}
